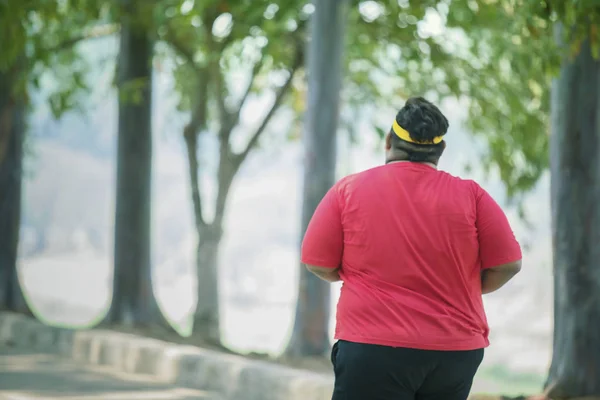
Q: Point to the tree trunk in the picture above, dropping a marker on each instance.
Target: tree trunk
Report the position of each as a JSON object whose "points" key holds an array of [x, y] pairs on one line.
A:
{"points": [[133, 300], [310, 335], [12, 134], [206, 324], [207, 321], [575, 191], [207, 315]]}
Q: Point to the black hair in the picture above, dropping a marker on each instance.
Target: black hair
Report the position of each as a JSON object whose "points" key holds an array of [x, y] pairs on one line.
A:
{"points": [[423, 121]]}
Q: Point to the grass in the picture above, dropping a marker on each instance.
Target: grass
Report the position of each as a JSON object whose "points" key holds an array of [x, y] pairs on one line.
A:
{"points": [[511, 383]]}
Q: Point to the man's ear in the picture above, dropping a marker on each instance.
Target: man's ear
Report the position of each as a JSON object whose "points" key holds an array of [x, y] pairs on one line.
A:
{"points": [[440, 152], [388, 141]]}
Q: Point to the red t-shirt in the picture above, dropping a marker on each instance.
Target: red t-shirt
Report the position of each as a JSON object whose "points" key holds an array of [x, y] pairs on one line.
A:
{"points": [[410, 242]]}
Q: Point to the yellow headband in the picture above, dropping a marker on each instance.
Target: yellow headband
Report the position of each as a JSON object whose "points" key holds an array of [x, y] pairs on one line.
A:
{"points": [[404, 135]]}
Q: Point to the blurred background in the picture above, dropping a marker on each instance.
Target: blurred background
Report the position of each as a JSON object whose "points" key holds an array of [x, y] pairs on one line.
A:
{"points": [[75, 57]]}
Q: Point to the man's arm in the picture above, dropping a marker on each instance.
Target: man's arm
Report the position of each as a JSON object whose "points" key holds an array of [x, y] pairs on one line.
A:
{"points": [[323, 243], [327, 274], [499, 251], [494, 278]]}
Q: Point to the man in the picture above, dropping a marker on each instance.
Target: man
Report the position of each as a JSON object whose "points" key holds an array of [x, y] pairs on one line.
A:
{"points": [[415, 248]]}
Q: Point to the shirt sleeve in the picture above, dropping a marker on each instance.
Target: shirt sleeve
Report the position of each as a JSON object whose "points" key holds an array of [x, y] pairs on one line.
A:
{"points": [[323, 242], [497, 242]]}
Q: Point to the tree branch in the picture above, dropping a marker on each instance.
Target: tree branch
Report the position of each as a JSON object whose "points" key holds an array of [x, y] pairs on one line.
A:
{"points": [[96, 32], [191, 133], [5, 130], [225, 175], [191, 142], [181, 49], [8, 102], [199, 118], [177, 44], [220, 95], [229, 163], [235, 117], [279, 96]]}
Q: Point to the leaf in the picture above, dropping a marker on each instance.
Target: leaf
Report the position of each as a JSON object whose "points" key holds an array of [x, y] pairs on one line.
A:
{"points": [[40, 39], [381, 133], [133, 91]]}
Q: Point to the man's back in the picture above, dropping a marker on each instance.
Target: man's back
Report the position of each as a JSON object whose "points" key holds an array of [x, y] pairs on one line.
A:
{"points": [[415, 248], [411, 261]]}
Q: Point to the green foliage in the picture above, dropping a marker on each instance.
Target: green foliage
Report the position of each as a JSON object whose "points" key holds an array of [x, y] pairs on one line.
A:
{"points": [[70, 85], [507, 73], [480, 52], [581, 16], [497, 60], [39, 41], [232, 37], [132, 91], [498, 56]]}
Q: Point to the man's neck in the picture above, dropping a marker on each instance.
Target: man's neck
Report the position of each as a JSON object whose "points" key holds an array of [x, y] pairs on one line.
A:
{"points": [[432, 165]]}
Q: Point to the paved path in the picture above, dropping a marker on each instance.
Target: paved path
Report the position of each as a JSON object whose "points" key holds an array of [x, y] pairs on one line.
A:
{"points": [[32, 376]]}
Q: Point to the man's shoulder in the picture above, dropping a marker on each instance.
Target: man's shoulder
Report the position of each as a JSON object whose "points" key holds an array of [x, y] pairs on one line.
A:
{"points": [[351, 180], [466, 183], [343, 184]]}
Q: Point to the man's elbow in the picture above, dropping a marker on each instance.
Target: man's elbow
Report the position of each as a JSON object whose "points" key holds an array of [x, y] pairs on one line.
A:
{"points": [[494, 278], [513, 267], [508, 270], [327, 274]]}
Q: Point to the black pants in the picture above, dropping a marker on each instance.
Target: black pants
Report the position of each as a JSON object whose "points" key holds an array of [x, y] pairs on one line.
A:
{"points": [[371, 372]]}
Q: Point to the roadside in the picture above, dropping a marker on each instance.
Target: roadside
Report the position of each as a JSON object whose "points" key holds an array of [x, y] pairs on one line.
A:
{"points": [[188, 365], [29, 375], [511, 366]]}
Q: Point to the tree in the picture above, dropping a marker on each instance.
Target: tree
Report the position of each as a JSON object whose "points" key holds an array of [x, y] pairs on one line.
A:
{"points": [[310, 336], [575, 143], [208, 49], [575, 193], [388, 40], [215, 39], [38, 38], [50, 31], [570, 55], [482, 55], [133, 301], [507, 92], [12, 133]]}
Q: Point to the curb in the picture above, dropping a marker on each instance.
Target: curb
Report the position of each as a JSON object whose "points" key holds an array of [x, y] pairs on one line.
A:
{"points": [[234, 377]]}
